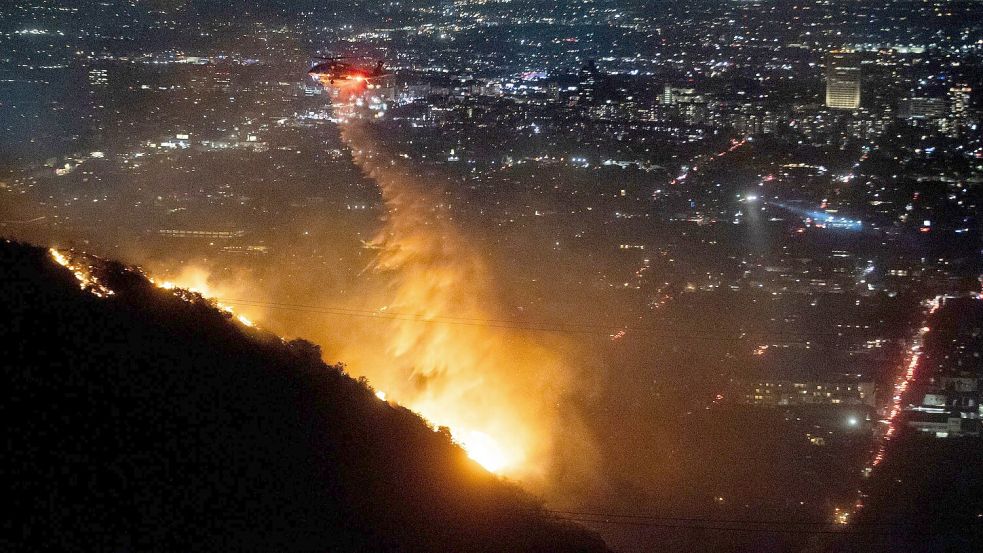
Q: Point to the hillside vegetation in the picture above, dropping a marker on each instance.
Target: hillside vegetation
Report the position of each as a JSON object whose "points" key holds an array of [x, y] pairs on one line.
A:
{"points": [[144, 422]]}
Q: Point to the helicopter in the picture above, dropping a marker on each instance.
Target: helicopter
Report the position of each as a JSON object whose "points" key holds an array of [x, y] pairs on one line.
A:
{"points": [[334, 71]]}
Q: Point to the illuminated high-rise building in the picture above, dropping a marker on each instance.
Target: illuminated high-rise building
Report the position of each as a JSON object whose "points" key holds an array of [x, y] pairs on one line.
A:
{"points": [[222, 78], [922, 108], [98, 77], [959, 107], [959, 98], [842, 80], [589, 78]]}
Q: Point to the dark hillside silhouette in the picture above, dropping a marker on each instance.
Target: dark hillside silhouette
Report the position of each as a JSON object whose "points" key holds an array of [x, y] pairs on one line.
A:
{"points": [[141, 422]]}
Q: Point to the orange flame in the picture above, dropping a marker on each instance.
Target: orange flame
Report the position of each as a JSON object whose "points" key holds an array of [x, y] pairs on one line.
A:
{"points": [[496, 390]]}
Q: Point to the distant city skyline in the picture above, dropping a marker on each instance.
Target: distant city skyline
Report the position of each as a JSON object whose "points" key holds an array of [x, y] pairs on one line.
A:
{"points": [[625, 252]]}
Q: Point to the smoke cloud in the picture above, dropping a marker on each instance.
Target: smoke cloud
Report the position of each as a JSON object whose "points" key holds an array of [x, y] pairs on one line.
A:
{"points": [[501, 391]]}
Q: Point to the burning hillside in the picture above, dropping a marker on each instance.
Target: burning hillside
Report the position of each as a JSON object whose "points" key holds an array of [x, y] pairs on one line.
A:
{"points": [[141, 416]]}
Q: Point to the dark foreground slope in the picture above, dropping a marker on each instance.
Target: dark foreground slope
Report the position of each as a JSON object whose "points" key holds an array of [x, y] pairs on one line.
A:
{"points": [[142, 422]]}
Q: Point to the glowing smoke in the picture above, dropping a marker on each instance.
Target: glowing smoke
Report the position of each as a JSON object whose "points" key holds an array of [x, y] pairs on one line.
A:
{"points": [[216, 286], [499, 391]]}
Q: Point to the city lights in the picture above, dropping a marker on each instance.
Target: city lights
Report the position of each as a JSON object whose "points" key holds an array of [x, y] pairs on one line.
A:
{"points": [[659, 266]]}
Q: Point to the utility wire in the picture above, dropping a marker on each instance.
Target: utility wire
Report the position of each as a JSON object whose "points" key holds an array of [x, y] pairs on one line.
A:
{"points": [[774, 528], [785, 522], [738, 529], [515, 324], [745, 525]]}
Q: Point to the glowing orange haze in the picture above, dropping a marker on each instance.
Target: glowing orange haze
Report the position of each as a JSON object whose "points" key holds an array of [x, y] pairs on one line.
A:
{"points": [[499, 391]]}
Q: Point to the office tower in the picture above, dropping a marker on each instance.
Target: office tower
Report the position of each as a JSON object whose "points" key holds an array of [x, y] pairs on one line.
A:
{"points": [[959, 107], [842, 80]]}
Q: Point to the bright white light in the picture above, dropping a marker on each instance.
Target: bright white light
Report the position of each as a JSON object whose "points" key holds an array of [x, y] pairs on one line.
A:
{"points": [[483, 449]]}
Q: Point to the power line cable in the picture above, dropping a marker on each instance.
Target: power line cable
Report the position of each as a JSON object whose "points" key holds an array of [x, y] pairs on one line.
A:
{"points": [[751, 526], [729, 521], [515, 324], [738, 529]]}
